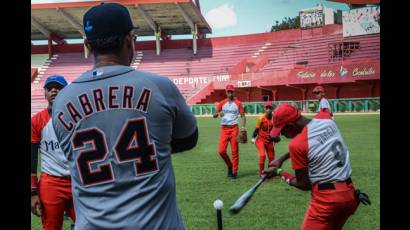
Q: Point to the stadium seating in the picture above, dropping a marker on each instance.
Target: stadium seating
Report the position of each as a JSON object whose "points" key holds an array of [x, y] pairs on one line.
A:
{"points": [[70, 65], [315, 51], [280, 50], [208, 61]]}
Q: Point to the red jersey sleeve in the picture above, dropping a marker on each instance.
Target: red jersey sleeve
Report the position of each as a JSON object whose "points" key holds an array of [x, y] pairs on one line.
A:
{"points": [[220, 104], [325, 114], [35, 131], [240, 106], [37, 124], [298, 150]]}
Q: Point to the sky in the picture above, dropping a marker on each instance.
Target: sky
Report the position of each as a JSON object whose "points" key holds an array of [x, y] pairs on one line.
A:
{"points": [[238, 17]]}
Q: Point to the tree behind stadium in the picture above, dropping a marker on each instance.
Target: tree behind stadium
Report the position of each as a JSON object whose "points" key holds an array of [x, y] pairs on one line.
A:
{"points": [[287, 23]]}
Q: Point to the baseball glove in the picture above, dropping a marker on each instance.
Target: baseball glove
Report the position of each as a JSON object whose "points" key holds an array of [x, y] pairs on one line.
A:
{"points": [[243, 136]]}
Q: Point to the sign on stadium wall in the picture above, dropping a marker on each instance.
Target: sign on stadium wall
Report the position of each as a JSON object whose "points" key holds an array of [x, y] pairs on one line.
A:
{"points": [[242, 84], [325, 75], [198, 81], [361, 21], [311, 18], [335, 74]]}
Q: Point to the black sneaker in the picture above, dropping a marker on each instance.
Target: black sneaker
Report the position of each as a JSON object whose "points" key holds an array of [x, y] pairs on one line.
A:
{"points": [[234, 175], [230, 172]]}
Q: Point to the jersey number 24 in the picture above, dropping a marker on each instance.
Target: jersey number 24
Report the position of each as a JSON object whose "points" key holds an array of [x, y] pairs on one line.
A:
{"points": [[132, 145]]}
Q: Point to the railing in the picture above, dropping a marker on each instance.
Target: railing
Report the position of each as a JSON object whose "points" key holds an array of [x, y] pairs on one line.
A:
{"points": [[34, 72], [200, 94], [342, 105]]}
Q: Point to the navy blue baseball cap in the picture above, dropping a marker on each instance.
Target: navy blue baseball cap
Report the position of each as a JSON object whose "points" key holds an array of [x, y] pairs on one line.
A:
{"points": [[107, 20], [55, 79]]}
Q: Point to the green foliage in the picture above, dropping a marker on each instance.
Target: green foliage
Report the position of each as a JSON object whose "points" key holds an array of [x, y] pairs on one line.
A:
{"points": [[287, 23]]}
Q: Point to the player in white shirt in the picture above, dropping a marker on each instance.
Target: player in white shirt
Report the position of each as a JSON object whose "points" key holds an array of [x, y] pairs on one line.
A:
{"points": [[324, 105], [52, 194], [230, 109], [320, 159]]}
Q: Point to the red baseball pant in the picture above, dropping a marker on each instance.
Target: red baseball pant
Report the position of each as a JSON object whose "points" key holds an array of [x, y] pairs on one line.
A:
{"points": [[229, 134], [55, 197], [330, 209], [263, 148]]}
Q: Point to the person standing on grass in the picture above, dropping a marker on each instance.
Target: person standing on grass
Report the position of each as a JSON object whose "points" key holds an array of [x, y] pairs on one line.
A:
{"points": [[324, 105], [229, 110], [119, 127], [321, 162], [262, 139], [51, 195]]}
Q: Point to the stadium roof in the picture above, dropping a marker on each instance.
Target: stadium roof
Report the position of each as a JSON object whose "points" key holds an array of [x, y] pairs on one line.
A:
{"points": [[357, 2], [64, 20]]}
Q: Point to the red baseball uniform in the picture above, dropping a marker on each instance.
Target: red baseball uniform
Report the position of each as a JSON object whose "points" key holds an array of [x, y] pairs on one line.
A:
{"points": [[320, 148], [229, 131], [263, 143], [54, 186]]}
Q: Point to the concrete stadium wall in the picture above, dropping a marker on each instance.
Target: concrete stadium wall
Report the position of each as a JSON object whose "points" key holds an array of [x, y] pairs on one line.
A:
{"points": [[284, 93]]}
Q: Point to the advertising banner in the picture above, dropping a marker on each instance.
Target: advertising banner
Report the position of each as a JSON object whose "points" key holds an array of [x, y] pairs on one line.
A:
{"points": [[311, 18], [361, 21]]}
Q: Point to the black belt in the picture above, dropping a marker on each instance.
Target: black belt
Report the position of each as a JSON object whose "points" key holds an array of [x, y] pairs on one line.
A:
{"points": [[61, 177], [331, 186], [66, 177]]}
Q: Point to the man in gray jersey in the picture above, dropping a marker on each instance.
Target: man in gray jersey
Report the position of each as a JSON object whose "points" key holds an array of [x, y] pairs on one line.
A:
{"points": [[119, 127]]}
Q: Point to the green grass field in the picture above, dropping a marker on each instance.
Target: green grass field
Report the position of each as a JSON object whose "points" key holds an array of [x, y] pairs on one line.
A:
{"points": [[201, 179]]}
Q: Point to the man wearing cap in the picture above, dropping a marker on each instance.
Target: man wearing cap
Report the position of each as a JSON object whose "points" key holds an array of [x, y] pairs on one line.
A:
{"points": [[119, 127], [229, 110], [321, 162], [261, 137], [324, 105], [52, 193]]}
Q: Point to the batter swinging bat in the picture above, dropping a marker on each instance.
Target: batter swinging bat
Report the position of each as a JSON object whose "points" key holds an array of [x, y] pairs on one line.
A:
{"points": [[244, 199]]}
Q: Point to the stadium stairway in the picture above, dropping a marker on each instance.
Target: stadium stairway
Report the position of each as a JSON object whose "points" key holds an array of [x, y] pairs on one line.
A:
{"points": [[201, 94]]}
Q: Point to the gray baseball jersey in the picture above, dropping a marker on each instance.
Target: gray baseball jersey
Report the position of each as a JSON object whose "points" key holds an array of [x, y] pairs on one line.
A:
{"points": [[324, 104], [321, 149], [116, 125]]}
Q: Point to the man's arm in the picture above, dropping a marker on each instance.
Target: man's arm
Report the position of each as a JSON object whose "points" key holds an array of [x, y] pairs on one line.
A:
{"points": [[278, 162], [301, 181], [185, 129], [242, 113], [184, 144], [254, 135], [256, 131], [221, 114], [243, 120], [35, 201], [34, 162], [219, 110]]}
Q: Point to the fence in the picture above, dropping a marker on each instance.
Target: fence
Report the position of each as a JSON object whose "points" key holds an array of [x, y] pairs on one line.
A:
{"points": [[338, 106]]}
